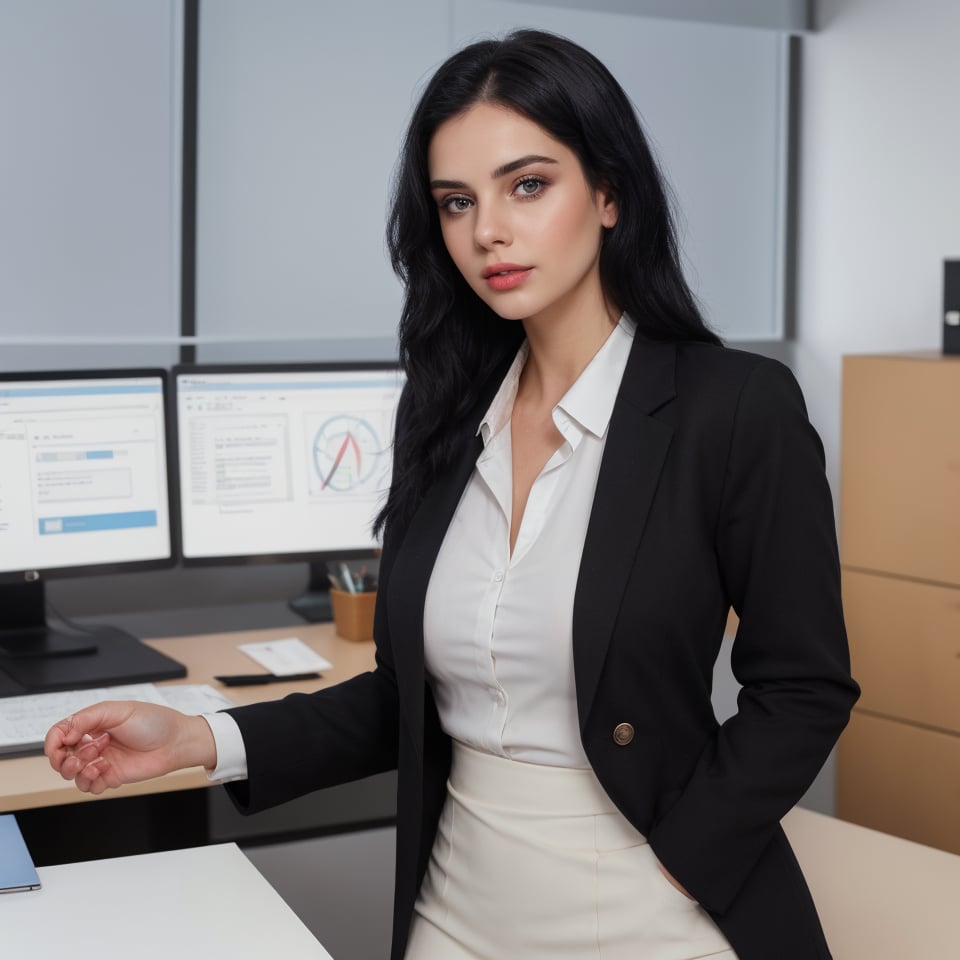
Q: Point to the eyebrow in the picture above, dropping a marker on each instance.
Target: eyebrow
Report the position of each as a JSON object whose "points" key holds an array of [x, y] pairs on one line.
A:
{"points": [[502, 171]]}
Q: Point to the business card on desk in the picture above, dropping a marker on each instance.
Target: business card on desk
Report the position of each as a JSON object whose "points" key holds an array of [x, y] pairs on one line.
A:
{"points": [[285, 657]]}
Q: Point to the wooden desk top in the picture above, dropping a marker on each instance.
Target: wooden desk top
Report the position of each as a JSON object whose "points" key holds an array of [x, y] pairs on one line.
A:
{"points": [[27, 782]]}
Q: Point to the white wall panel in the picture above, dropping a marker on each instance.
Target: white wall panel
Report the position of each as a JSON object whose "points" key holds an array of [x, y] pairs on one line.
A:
{"points": [[302, 106], [89, 168], [768, 14]]}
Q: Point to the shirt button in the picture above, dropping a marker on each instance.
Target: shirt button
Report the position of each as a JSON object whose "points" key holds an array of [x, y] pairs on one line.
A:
{"points": [[622, 734], [498, 576]]}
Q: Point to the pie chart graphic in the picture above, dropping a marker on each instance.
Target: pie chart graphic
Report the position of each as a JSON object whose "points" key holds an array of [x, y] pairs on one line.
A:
{"points": [[346, 451]]}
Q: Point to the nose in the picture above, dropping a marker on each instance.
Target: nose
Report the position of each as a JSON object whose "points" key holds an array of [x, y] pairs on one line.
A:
{"points": [[491, 227]]}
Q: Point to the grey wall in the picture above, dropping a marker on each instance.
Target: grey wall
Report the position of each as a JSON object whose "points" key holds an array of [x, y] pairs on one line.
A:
{"points": [[775, 14], [299, 129], [89, 173], [301, 110], [302, 107]]}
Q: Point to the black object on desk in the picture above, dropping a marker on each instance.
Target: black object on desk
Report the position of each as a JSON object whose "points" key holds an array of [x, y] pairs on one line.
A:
{"points": [[951, 306], [314, 603], [38, 658], [119, 659], [253, 679]]}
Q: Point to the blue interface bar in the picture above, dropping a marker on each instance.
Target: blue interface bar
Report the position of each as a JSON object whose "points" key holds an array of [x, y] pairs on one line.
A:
{"points": [[93, 522]]}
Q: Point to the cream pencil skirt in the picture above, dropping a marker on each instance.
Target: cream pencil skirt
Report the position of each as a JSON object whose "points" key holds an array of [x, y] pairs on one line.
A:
{"points": [[533, 862]]}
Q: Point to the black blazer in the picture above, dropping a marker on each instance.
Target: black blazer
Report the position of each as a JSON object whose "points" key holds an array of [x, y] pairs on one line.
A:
{"points": [[711, 494]]}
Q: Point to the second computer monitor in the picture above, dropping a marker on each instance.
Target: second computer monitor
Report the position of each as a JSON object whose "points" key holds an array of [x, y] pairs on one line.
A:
{"points": [[282, 462]]}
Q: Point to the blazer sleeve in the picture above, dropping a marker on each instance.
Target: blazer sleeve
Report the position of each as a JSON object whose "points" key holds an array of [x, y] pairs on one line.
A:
{"points": [[777, 553], [308, 741]]}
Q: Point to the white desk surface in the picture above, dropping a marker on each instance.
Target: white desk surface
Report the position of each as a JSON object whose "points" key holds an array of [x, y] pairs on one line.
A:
{"points": [[879, 897], [178, 905]]}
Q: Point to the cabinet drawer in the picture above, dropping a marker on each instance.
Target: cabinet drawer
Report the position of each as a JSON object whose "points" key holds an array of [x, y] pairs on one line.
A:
{"points": [[900, 779], [900, 466], [905, 647]]}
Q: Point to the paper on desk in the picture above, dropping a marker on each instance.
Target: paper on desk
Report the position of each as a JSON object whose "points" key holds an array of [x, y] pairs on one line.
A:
{"points": [[195, 698], [285, 657], [25, 720]]}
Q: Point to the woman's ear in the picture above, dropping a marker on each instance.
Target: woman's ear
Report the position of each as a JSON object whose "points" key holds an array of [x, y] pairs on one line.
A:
{"points": [[607, 205]]}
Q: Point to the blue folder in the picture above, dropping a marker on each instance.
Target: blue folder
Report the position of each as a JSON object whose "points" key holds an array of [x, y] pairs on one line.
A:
{"points": [[17, 871]]}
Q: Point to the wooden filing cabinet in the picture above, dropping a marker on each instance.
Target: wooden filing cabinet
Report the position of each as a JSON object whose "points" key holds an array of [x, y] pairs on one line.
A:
{"points": [[898, 763]]}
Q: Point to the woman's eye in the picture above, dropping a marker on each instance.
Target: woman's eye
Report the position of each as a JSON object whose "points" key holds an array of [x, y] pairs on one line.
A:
{"points": [[456, 204], [530, 186]]}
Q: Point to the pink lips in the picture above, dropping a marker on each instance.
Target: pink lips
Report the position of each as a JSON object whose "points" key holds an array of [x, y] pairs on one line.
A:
{"points": [[506, 276]]}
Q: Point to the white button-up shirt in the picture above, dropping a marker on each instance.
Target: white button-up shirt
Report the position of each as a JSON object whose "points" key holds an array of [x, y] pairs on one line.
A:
{"points": [[498, 627], [498, 635]]}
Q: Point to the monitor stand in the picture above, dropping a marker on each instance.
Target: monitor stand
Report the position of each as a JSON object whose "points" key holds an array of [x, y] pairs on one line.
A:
{"points": [[314, 603], [37, 658]]}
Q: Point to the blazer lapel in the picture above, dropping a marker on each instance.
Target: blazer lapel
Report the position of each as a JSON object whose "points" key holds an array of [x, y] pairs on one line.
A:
{"points": [[633, 457]]}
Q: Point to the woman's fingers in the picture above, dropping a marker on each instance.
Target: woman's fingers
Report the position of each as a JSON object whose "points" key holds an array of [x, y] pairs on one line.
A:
{"points": [[70, 731], [90, 779], [90, 748], [69, 761], [60, 736], [83, 734]]}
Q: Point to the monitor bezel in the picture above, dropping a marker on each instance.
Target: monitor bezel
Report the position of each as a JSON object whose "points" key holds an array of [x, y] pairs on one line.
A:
{"points": [[32, 574], [309, 556]]}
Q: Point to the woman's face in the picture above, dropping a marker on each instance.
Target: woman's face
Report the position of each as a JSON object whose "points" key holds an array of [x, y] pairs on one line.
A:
{"points": [[517, 215]]}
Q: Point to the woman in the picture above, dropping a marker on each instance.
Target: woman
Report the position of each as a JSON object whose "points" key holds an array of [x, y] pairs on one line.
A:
{"points": [[585, 481]]}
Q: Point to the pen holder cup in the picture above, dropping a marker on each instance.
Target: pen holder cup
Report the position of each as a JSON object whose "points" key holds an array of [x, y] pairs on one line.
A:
{"points": [[353, 613]]}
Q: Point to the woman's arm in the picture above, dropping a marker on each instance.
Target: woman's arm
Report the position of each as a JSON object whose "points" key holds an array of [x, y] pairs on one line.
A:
{"points": [[777, 552]]}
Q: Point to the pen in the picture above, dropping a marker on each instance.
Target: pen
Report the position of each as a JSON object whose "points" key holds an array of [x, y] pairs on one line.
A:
{"points": [[251, 679], [347, 579]]}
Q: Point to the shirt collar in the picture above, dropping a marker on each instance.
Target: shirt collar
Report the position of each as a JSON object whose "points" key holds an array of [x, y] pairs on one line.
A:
{"points": [[499, 412], [591, 398], [589, 401]]}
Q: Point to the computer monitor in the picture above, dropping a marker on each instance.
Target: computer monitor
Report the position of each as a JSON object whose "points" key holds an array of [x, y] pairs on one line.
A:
{"points": [[283, 462], [83, 490]]}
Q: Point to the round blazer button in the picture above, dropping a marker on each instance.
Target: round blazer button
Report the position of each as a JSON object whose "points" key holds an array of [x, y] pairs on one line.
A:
{"points": [[622, 734]]}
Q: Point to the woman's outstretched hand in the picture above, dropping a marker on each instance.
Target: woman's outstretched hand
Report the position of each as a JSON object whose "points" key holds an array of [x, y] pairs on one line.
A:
{"points": [[125, 741]]}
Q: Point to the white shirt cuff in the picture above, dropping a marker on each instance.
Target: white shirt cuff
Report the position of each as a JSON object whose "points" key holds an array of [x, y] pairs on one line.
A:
{"points": [[231, 753]]}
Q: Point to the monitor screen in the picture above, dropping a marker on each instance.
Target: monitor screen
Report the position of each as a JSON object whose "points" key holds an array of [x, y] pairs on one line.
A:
{"points": [[282, 462], [83, 490], [83, 472]]}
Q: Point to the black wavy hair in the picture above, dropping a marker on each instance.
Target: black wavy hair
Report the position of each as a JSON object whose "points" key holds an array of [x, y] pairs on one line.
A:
{"points": [[450, 340]]}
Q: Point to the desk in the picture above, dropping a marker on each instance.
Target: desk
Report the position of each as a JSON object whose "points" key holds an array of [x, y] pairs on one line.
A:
{"points": [[198, 903], [28, 782], [879, 897]]}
